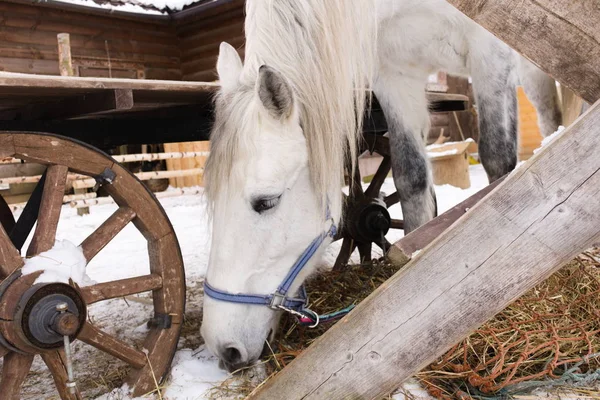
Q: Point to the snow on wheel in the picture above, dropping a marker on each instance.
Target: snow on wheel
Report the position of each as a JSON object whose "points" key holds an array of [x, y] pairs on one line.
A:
{"points": [[38, 318], [366, 216]]}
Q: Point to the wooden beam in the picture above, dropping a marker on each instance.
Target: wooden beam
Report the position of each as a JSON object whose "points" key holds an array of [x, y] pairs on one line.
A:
{"points": [[542, 215], [561, 37], [113, 100], [49, 82]]}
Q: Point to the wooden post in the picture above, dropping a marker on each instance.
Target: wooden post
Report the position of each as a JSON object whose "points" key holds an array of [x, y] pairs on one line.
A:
{"points": [[560, 37], [542, 215], [65, 65]]}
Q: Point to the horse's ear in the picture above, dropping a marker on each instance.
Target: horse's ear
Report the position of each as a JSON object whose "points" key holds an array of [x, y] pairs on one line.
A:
{"points": [[229, 66], [275, 93]]}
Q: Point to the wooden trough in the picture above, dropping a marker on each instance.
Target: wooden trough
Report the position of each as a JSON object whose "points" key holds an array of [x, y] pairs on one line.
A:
{"points": [[542, 215]]}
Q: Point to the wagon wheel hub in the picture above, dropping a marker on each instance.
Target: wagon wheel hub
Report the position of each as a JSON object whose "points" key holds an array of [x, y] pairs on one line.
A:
{"points": [[39, 316], [40, 320], [369, 221]]}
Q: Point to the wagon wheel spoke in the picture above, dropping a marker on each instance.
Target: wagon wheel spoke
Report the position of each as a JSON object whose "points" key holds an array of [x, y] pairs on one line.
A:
{"points": [[379, 177], [346, 250], [29, 215], [121, 288], [14, 371], [3, 351], [111, 345], [396, 224], [356, 189], [391, 199], [56, 363], [106, 232], [54, 190], [10, 259], [364, 250]]}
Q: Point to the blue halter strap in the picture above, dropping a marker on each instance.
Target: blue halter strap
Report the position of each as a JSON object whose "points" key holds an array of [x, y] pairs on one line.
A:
{"points": [[279, 300]]}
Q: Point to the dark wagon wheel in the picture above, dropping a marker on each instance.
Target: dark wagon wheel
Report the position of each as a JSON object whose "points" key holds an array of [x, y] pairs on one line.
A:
{"points": [[365, 218], [30, 322]]}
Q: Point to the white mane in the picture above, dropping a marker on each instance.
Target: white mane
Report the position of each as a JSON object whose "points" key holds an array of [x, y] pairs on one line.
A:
{"points": [[326, 51]]}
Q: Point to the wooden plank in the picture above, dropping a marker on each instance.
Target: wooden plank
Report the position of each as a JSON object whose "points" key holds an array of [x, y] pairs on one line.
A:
{"points": [[26, 36], [560, 37], [48, 52], [541, 216], [49, 82]]}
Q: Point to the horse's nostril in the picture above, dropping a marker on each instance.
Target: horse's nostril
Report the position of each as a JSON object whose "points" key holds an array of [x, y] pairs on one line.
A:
{"points": [[232, 356]]}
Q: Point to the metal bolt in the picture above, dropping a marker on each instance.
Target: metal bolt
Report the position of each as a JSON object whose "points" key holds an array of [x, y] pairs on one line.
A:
{"points": [[63, 325]]}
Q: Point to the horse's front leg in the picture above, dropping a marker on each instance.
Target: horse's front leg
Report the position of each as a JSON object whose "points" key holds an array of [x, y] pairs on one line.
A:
{"points": [[405, 107]]}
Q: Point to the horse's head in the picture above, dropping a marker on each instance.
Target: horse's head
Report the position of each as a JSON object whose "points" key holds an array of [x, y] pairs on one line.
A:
{"points": [[265, 210]]}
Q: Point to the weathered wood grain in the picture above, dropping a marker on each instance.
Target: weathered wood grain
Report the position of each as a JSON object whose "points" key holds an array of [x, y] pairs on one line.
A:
{"points": [[542, 215], [561, 37], [10, 259], [48, 82], [107, 343], [14, 371], [56, 362], [65, 61], [106, 232], [47, 223], [121, 288]]}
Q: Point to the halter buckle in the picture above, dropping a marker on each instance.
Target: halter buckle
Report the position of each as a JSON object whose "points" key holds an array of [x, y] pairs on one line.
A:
{"points": [[277, 300]]}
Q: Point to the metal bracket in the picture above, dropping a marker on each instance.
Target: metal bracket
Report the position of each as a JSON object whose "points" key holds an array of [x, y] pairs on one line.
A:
{"points": [[107, 176], [162, 321], [277, 300]]}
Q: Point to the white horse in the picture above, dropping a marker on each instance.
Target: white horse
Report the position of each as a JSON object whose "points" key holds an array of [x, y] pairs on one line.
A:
{"points": [[287, 118]]}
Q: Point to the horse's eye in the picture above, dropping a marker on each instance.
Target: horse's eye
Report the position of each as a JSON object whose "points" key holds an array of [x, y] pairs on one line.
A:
{"points": [[263, 204]]}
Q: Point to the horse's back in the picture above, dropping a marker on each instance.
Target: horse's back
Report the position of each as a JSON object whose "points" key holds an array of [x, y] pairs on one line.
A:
{"points": [[424, 36]]}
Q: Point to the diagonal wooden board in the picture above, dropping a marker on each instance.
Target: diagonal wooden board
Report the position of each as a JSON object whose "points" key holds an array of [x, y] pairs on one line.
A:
{"points": [[542, 215], [559, 36]]}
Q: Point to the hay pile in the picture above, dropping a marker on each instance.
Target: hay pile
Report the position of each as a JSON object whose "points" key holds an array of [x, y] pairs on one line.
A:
{"points": [[551, 333]]}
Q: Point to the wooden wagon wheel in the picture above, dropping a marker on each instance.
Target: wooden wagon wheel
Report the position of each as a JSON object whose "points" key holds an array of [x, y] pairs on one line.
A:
{"points": [[30, 323], [366, 219]]}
